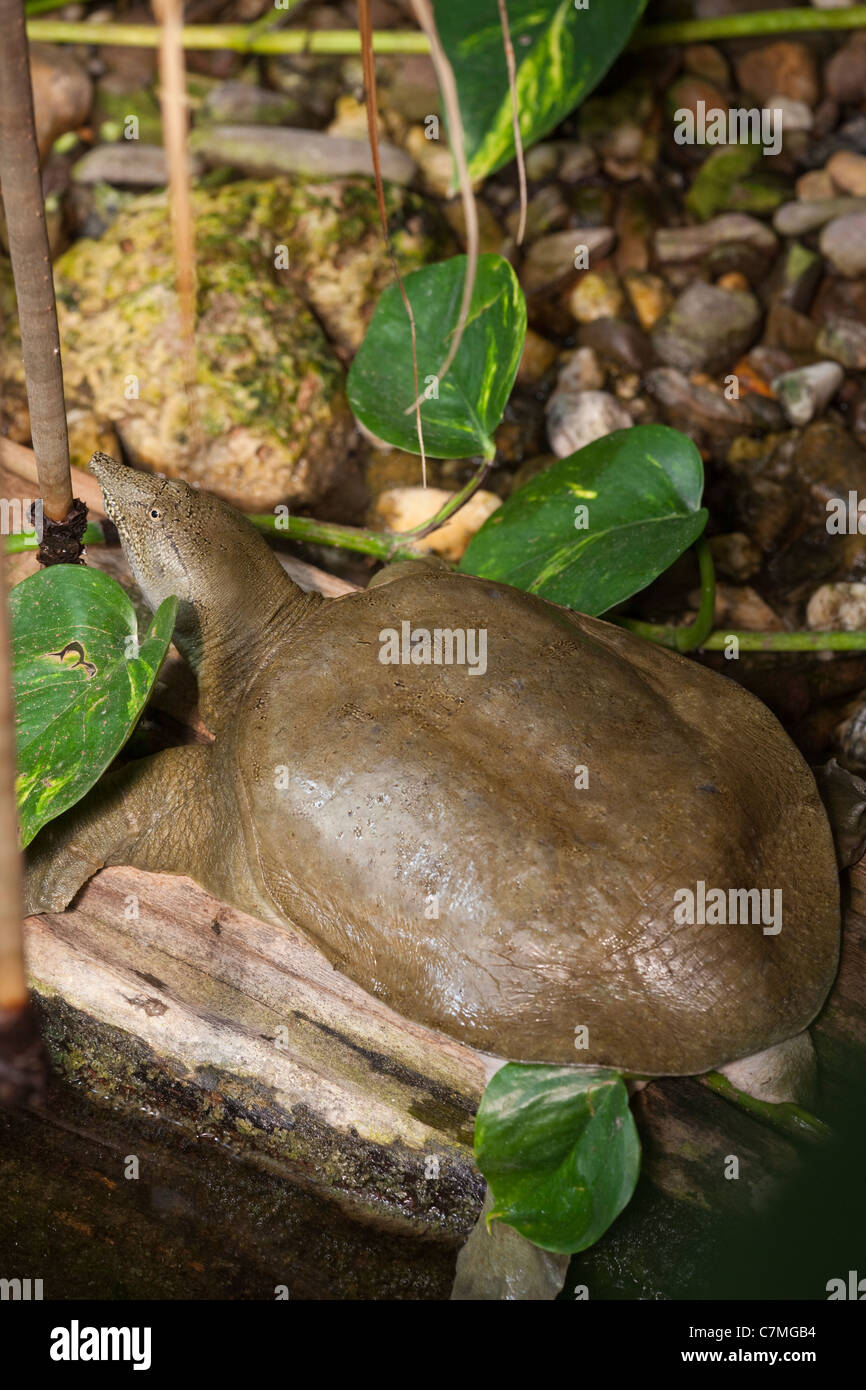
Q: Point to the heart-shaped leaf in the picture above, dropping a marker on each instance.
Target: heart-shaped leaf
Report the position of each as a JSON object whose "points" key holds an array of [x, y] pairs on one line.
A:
{"points": [[561, 49], [81, 680], [560, 1152], [600, 525], [460, 412]]}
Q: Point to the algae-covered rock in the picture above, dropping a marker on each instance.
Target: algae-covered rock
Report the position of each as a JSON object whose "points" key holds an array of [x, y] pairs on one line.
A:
{"points": [[270, 422], [337, 254]]}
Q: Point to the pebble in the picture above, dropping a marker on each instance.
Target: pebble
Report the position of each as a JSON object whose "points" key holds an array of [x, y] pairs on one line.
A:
{"points": [[575, 420], [790, 329], [848, 172], [597, 295], [402, 508], [617, 342], [736, 556], [845, 341], [704, 60], [837, 606], [649, 297], [537, 358], [241, 103], [581, 371], [845, 73], [694, 405], [542, 162], [262, 151], [795, 115], [850, 136], [673, 244], [62, 93], [577, 161], [807, 391], [546, 211], [843, 242], [550, 260], [815, 184], [733, 280], [706, 328], [785, 69], [128, 163], [808, 215], [741, 607]]}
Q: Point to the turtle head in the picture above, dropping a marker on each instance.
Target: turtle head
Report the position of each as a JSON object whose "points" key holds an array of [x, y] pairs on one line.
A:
{"points": [[167, 529], [181, 541]]}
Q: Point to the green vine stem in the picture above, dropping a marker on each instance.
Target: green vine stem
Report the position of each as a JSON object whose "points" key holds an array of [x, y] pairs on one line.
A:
{"points": [[691, 635], [789, 1118], [344, 42], [386, 546], [383, 545], [754, 25], [334, 42], [453, 504]]}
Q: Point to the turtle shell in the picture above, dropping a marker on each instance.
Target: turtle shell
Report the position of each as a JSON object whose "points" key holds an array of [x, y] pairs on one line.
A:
{"points": [[507, 855]]}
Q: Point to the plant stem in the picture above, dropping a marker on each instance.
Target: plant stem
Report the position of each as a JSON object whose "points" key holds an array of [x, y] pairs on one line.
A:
{"points": [[692, 635], [175, 123], [789, 1118], [31, 264], [752, 25], [387, 546], [342, 42], [334, 42], [384, 545], [21, 542]]}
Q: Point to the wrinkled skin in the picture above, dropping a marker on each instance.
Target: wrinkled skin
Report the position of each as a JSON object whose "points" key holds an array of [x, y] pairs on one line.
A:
{"points": [[342, 793]]}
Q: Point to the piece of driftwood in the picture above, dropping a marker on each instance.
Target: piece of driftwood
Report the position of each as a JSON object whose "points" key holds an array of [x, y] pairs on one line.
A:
{"points": [[166, 1009], [311, 1074]]}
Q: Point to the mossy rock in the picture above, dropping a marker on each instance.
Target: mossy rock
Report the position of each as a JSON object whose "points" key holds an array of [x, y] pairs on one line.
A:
{"points": [[281, 267]]}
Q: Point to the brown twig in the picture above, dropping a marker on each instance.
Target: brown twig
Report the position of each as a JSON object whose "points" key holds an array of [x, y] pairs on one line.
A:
{"points": [[22, 1067], [31, 265], [365, 24], [515, 118], [175, 122], [448, 87]]}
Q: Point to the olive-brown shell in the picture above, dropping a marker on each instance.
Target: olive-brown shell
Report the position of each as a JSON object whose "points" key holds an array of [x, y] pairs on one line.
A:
{"points": [[432, 840]]}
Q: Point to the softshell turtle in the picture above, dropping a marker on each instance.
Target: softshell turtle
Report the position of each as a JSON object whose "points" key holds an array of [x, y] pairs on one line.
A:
{"points": [[502, 848]]}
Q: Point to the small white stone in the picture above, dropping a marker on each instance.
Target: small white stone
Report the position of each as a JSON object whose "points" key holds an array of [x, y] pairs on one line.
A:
{"points": [[837, 606], [807, 391], [402, 508], [573, 421]]}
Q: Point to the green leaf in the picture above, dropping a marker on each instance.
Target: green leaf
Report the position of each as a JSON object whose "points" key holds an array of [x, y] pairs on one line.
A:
{"points": [[81, 680], [473, 394], [560, 1152], [598, 526], [561, 53]]}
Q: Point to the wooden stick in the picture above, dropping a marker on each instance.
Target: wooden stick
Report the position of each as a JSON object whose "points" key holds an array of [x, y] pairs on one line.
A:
{"points": [[22, 1067], [31, 264]]}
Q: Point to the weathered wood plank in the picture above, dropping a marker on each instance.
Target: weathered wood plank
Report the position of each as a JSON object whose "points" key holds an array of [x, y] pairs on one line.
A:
{"points": [[322, 1081]]}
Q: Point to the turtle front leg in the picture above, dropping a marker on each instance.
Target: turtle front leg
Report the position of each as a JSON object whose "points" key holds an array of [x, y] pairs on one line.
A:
{"points": [[156, 813]]}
